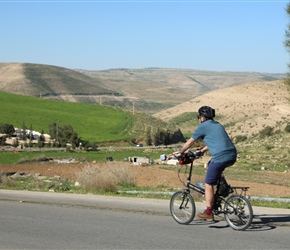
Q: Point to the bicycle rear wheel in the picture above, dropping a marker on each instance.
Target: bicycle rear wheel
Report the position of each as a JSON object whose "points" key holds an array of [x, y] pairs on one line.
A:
{"points": [[238, 212], [182, 207]]}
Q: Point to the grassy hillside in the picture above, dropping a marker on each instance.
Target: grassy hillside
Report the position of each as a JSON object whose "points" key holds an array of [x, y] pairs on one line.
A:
{"points": [[91, 122], [94, 123]]}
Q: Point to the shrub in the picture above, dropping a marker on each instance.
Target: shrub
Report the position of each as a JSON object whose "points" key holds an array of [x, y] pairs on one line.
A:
{"points": [[269, 147], [59, 185], [287, 128], [105, 176], [6, 181], [240, 138], [267, 131], [7, 129]]}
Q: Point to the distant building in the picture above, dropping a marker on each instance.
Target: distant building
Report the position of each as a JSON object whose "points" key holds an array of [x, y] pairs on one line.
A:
{"points": [[140, 160]]}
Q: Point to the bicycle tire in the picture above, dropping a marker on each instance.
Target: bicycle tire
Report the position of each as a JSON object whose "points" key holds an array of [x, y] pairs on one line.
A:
{"points": [[182, 207], [238, 212]]}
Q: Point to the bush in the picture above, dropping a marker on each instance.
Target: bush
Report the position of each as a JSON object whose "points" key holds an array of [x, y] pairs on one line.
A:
{"points": [[240, 138], [267, 131], [6, 181], [7, 129], [269, 147], [60, 185], [106, 176], [287, 128]]}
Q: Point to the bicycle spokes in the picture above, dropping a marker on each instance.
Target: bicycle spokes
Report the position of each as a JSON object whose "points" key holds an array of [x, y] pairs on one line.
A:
{"points": [[238, 212], [182, 207]]}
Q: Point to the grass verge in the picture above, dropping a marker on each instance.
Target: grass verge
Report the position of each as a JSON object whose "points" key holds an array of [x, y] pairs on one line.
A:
{"points": [[120, 185]]}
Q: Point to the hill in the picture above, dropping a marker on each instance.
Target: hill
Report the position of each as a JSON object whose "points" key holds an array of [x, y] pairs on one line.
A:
{"points": [[50, 82], [245, 102], [153, 89], [147, 89], [92, 123], [244, 110]]}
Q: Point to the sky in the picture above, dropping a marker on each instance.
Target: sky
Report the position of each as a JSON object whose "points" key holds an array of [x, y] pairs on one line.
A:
{"points": [[243, 36]]}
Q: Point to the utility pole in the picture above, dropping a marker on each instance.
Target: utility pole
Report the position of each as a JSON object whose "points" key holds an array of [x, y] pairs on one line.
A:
{"points": [[57, 121]]}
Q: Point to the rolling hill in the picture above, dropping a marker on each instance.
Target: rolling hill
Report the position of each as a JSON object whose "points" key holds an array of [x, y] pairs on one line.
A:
{"points": [[146, 89], [50, 82], [246, 102], [165, 87], [93, 123], [245, 109]]}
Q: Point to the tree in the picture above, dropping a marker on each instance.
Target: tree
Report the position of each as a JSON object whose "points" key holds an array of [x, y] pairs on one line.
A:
{"points": [[7, 129], [162, 137], [166, 138], [2, 140], [158, 138], [23, 132], [148, 137], [64, 134], [15, 143], [52, 130], [69, 135], [30, 143], [41, 140], [287, 43]]}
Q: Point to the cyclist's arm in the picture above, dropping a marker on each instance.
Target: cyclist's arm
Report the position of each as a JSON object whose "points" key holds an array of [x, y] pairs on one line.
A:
{"points": [[204, 149], [187, 145]]}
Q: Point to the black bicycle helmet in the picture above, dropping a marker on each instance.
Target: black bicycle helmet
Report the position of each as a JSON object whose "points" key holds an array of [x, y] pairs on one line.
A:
{"points": [[207, 112]]}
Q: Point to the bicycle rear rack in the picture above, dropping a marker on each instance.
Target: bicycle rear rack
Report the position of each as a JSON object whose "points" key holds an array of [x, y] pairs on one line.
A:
{"points": [[243, 190]]}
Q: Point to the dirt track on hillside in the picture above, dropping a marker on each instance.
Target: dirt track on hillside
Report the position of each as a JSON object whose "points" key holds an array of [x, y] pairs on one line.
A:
{"points": [[146, 176]]}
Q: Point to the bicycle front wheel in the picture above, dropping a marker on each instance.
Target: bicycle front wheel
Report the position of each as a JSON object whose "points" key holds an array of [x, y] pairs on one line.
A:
{"points": [[238, 212], [182, 207]]}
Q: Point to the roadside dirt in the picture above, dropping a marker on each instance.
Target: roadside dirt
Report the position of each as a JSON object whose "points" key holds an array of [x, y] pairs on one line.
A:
{"points": [[146, 176]]}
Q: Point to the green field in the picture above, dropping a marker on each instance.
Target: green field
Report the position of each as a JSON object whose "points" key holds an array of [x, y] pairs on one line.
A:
{"points": [[91, 122], [82, 156]]}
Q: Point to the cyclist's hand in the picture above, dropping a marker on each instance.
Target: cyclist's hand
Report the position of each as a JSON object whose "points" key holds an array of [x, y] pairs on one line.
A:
{"points": [[198, 153], [177, 155]]}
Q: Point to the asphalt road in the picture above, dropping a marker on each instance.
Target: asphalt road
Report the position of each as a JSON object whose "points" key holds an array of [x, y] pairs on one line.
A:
{"points": [[36, 220]]}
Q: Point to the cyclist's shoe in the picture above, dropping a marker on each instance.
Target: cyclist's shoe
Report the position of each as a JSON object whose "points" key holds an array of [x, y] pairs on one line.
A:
{"points": [[200, 184], [206, 216]]}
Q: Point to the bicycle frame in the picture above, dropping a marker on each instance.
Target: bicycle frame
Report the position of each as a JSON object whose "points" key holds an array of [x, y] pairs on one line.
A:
{"points": [[189, 186], [236, 207]]}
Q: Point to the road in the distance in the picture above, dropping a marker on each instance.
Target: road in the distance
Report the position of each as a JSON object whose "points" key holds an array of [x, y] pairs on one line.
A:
{"points": [[27, 224]]}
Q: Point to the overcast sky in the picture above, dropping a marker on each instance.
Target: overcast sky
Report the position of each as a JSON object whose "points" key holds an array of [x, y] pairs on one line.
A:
{"points": [[98, 35]]}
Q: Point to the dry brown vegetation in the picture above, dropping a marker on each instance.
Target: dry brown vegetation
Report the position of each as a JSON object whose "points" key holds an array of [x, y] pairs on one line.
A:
{"points": [[106, 176]]}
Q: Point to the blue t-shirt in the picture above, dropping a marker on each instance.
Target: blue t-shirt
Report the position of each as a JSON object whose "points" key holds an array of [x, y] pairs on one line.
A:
{"points": [[217, 140]]}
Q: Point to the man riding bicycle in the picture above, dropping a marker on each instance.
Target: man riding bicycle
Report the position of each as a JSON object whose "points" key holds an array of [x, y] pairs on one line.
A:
{"points": [[221, 148]]}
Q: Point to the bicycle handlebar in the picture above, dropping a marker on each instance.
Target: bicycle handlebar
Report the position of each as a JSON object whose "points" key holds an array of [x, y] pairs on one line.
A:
{"points": [[186, 158]]}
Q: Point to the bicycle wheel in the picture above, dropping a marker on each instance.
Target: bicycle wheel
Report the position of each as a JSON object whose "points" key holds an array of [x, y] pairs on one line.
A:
{"points": [[238, 212], [182, 207]]}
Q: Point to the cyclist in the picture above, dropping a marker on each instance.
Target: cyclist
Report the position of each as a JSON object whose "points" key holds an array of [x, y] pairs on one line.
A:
{"points": [[222, 150]]}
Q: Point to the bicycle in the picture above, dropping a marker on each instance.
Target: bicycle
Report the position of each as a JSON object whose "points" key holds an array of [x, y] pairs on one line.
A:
{"points": [[236, 208]]}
